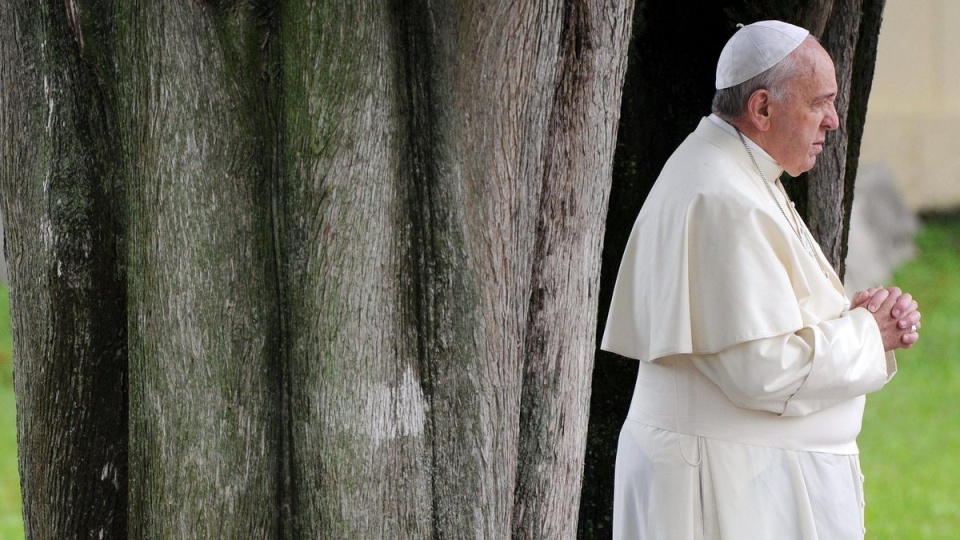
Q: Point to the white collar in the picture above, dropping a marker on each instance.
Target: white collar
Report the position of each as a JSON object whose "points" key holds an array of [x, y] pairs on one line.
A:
{"points": [[770, 167], [728, 127]]}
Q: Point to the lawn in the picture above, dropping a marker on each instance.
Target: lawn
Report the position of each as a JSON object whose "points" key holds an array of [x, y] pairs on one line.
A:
{"points": [[11, 520], [910, 442]]}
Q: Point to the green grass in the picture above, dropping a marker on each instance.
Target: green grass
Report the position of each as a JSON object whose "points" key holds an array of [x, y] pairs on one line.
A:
{"points": [[910, 443], [11, 519]]}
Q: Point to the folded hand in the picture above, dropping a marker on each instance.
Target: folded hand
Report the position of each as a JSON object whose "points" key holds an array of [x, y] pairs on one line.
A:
{"points": [[896, 313]]}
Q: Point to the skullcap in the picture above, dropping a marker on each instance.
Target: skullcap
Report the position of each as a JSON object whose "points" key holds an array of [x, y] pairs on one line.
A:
{"points": [[755, 48]]}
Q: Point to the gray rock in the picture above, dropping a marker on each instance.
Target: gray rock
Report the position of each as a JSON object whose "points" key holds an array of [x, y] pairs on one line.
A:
{"points": [[882, 229]]}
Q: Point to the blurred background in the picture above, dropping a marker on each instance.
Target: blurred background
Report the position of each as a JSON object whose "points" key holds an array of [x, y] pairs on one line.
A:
{"points": [[913, 117], [909, 151], [905, 230]]}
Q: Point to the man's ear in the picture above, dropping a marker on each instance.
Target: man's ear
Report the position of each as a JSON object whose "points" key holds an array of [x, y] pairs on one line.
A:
{"points": [[758, 109]]}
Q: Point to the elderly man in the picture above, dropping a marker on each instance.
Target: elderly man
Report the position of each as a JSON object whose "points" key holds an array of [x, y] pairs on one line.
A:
{"points": [[753, 364]]}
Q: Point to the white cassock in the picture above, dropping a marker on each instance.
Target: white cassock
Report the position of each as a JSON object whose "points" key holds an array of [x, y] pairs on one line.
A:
{"points": [[752, 371]]}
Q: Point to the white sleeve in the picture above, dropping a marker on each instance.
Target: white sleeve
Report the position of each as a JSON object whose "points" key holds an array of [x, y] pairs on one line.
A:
{"points": [[802, 372]]}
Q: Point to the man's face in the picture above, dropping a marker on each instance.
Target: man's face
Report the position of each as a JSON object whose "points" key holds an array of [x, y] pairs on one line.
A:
{"points": [[799, 123]]}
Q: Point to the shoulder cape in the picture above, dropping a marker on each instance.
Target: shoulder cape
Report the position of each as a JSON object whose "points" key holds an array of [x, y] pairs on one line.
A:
{"points": [[711, 261]]}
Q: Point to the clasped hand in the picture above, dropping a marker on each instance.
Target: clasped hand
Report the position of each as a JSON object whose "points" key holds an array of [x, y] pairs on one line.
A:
{"points": [[896, 314]]}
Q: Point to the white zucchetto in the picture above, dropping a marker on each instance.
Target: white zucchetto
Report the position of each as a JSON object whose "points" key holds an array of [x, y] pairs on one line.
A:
{"points": [[756, 48]]}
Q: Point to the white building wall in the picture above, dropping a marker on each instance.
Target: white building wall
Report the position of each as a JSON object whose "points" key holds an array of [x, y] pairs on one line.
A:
{"points": [[913, 116]]}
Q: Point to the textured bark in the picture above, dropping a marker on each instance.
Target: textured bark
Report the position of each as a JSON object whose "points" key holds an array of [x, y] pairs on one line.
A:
{"points": [[62, 205], [460, 171], [560, 334], [668, 89], [347, 252], [860, 65], [814, 15], [204, 377], [827, 209], [360, 461]]}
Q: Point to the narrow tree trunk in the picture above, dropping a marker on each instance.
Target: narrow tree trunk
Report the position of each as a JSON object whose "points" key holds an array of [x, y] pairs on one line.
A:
{"points": [[828, 207], [667, 91], [204, 373], [559, 347], [860, 64], [360, 462], [813, 15], [64, 243]]}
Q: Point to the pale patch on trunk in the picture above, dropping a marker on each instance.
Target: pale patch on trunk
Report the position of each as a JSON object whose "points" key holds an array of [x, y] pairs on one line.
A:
{"points": [[383, 411]]}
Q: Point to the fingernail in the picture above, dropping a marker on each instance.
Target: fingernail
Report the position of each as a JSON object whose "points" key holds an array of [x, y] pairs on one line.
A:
{"points": [[896, 313]]}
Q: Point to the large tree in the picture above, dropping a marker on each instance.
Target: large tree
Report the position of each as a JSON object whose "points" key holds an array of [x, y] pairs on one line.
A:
{"points": [[315, 269]]}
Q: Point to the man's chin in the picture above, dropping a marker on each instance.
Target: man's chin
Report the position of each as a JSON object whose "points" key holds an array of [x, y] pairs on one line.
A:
{"points": [[806, 167]]}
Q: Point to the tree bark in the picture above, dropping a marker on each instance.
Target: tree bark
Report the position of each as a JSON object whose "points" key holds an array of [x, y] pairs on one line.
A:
{"points": [[857, 53], [203, 314], [668, 88], [62, 205], [827, 209], [467, 182], [351, 251], [559, 337], [359, 413]]}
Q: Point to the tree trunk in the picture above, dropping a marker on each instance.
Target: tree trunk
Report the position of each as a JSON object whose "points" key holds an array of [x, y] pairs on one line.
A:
{"points": [[825, 211], [62, 205], [204, 375], [351, 248], [359, 412], [851, 37], [558, 353]]}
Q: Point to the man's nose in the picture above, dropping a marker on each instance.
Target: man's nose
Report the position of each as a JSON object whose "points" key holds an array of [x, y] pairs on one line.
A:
{"points": [[832, 120]]}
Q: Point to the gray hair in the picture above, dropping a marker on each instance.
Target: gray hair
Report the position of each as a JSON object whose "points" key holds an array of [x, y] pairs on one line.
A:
{"points": [[730, 103]]}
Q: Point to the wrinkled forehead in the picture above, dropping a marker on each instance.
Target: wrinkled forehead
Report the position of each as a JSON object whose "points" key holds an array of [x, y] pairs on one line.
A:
{"points": [[816, 72]]}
